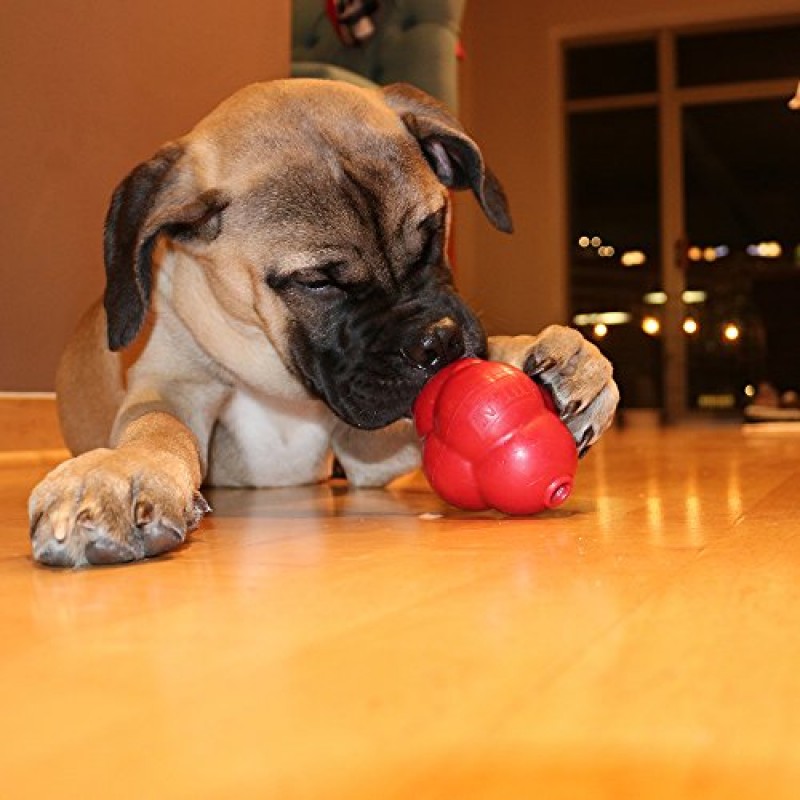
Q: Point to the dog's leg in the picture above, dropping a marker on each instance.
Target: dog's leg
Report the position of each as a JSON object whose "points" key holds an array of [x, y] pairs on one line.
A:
{"points": [[138, 496], [374, 458], [577, 374]]}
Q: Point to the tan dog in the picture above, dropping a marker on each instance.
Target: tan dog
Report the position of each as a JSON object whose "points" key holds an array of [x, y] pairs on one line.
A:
{"points": [[279, 278]]}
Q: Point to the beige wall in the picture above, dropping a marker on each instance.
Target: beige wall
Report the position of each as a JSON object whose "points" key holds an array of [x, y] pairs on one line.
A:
{"points": [[511, 104], [89, 88]]}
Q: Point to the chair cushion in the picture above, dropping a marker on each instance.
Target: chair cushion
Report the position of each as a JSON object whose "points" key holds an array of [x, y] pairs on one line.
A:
{"points": [[316, 69]]}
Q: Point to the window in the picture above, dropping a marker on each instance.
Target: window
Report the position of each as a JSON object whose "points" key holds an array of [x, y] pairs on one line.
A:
{"points": [[606, 70], [738, 56], [684, 189]]}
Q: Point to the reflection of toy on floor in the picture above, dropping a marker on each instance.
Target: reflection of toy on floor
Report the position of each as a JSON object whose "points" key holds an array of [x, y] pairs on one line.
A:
{"points": [[492, 439]]}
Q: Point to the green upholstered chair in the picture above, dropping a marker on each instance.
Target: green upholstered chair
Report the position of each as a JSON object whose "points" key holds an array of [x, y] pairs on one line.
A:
{"points": [[415, 42]]}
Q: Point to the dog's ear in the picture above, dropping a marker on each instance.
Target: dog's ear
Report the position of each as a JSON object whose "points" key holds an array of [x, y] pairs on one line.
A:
{"points": [[159, 197], [451, 153]]}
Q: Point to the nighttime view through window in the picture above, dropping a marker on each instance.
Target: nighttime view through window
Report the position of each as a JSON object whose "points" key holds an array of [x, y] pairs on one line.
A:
{"points": [[722, 102]]}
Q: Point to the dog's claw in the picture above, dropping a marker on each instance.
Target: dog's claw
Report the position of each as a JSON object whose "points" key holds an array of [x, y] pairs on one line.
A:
{"points": [[586, 442], [534, 368], [198, 510], [571, 409], [200, 504]]}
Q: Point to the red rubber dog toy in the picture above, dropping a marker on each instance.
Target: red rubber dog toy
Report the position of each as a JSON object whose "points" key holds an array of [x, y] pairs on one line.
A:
{"points": [[492, 439]]}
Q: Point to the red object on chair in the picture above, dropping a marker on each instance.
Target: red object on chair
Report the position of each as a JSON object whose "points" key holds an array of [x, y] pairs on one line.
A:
{"points": [[352, 20], [492, 439]]}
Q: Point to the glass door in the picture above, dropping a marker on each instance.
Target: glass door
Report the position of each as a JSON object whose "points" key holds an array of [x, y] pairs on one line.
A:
{"points": [[742, 168], [684, 187], [615, 268]]}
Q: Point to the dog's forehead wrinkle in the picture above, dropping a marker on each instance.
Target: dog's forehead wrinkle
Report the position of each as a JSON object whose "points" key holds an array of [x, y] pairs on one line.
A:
{"points": [[344, 220]]}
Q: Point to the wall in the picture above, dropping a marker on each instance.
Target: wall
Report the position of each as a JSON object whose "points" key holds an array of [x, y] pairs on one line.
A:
{"points": [[88, 88], [511, 103]]}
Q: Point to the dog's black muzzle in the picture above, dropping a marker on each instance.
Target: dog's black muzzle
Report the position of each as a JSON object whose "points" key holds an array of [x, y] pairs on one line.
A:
{"points": [[373, 364]]}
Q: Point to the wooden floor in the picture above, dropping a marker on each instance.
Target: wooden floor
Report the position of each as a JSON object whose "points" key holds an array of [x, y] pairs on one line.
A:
{"points": [[643, 641]]}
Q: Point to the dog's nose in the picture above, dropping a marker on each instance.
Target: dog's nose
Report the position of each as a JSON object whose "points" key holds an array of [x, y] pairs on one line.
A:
{"points": [[441, 343]]}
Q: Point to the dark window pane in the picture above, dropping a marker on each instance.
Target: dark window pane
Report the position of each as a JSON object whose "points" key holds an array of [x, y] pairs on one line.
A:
{"points": [[742, 176], [614, 214], [617, 69], [758, 54], [742, 173]]}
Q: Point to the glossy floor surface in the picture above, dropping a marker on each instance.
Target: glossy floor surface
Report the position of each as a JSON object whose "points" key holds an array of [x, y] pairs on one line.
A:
{"points": [[643, 641]]}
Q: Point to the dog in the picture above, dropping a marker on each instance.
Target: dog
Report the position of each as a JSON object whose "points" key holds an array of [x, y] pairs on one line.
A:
{"points": [[277, 294]]}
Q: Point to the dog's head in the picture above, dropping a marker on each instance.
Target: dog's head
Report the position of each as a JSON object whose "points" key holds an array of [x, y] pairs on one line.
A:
{"points": [[319, 214]]}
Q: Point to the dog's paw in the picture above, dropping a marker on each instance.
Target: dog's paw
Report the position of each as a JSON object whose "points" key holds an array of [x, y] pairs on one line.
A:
{"points": [[577, 374], [110, 506], [579, 377]]}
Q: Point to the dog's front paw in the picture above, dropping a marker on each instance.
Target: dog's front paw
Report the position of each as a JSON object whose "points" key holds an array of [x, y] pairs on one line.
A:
{"points": [[580, 379], [577, 374], [111, 506]]}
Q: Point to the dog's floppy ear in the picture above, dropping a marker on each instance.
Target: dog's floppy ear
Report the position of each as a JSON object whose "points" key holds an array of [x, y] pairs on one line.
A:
{"points": [[452, 154], [159, 196]]}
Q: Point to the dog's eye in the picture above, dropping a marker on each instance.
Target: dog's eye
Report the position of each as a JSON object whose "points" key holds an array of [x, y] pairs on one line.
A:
{"points": [[319, 281], [432, 230], [315, 285]]}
